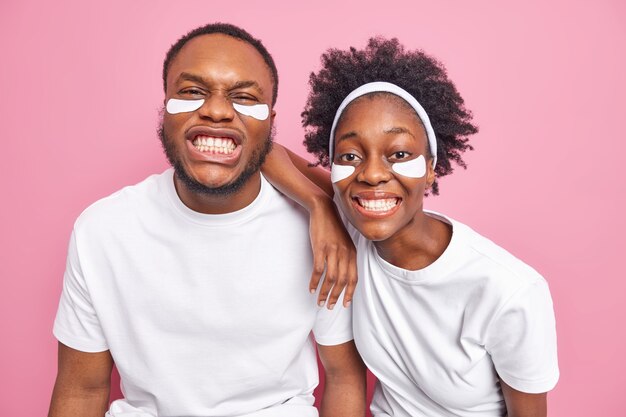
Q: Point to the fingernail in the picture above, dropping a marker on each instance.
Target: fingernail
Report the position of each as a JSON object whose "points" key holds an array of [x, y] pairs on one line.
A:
{"points": [[320, 303], [312, 290], [347, 304], [330, 306]]}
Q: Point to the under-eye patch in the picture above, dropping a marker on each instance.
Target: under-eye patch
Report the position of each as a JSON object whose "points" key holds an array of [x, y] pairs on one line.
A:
{"points": [[415, 168], [340, 172], [258, 111], [175, 106]]}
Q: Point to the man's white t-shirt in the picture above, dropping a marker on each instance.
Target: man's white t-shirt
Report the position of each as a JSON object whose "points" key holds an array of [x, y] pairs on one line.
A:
{"points": [[438, 338], [204, 315]]}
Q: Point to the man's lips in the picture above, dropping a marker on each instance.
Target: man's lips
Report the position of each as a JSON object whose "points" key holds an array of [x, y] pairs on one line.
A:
{"points": [[223, 145], [376, 203], [207, 131], [214, 145]]}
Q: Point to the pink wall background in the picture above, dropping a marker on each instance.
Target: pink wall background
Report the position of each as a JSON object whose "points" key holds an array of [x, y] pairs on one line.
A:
{"points": [[81, 87]]}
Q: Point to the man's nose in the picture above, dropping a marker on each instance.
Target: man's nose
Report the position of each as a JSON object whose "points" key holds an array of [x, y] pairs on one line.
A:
{"points": [[217, 108], [375, 171]]}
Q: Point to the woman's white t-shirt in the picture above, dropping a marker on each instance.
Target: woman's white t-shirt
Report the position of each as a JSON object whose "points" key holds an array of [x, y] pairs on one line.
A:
{"points": [[438, 339]]}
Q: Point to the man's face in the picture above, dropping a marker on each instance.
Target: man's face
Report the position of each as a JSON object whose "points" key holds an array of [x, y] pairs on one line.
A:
{"points": [[215, 149]]}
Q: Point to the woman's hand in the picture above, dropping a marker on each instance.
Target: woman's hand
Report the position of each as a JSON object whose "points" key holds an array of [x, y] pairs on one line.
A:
{"points": [[334, 252]]}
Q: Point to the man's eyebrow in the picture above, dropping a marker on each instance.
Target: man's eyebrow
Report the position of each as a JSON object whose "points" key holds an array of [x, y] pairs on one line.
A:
{"points": [[185, 76], [247, 84], [398, 131]]}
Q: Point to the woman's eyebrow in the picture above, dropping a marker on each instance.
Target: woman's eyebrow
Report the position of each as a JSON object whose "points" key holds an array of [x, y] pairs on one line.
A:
{"points": [[347, 135], [398, 131]]}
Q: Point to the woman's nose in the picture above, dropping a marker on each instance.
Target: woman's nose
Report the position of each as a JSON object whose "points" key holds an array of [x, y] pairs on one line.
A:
{"points": [[374, 172]]}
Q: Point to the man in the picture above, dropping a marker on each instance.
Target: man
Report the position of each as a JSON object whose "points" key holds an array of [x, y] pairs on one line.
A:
{"points": [[193, 282]]}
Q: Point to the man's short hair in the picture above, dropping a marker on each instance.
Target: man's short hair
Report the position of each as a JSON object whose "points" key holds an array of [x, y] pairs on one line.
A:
{"points": [[229, 30]]}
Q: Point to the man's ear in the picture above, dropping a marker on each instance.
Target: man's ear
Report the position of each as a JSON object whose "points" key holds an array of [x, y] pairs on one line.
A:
{"points": [[272, 115]]}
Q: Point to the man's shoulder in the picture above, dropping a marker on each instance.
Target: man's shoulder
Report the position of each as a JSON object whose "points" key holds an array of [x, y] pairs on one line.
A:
{"points": [[124, 202], [278, 201]]}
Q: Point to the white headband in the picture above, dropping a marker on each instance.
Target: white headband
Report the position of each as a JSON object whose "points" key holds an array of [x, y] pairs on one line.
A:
{"points": [[381, 86]]}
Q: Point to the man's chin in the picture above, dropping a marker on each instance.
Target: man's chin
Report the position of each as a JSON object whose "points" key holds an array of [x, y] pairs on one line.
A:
{"points": [[254, 165], [212, 189]]}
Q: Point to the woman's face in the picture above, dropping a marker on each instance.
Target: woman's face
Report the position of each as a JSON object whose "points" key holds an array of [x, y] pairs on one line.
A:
{"points": [[378, 135]]}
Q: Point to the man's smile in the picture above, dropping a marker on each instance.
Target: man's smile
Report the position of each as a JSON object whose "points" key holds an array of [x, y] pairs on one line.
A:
{"points": [[219, 145], [212, 144]]}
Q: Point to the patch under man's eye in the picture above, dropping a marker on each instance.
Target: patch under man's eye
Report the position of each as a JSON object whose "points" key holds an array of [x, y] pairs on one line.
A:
{"points": [[340, 172], [415, 168], [258, 111], [175, 106]]}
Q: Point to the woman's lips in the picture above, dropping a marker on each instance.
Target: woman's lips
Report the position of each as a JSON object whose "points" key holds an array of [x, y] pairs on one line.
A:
{"points": [[376, 204]]}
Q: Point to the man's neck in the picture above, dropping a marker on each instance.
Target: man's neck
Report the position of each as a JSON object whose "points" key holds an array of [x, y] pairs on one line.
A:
{"points": [[217, 203]]}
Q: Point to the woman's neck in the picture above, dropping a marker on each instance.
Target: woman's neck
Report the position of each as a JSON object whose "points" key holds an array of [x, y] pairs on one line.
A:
{"points": [[418, 244]]}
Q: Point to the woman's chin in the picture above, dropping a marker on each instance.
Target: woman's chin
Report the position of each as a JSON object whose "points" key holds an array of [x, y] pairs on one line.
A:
{"points": [[375, 232]]}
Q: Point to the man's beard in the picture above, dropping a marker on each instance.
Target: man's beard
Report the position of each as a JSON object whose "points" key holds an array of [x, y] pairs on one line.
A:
{"points": [[254, 165]]}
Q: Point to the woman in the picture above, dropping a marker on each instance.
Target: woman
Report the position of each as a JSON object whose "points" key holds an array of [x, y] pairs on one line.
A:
{"points": [[450, 323]]}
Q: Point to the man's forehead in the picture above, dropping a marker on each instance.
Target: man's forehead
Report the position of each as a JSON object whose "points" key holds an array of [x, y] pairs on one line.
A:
{"points": [[218, 52]]}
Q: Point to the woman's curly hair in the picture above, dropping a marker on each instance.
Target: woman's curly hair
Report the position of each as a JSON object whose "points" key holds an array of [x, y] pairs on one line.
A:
{"points": [[386, 60]]}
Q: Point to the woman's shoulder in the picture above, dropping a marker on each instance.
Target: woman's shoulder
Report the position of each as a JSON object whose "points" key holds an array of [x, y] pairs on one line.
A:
{"points": [[482, 257]]}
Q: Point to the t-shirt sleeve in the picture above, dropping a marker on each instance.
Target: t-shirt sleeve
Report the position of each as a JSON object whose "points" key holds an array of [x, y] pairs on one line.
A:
{"points": [[333, 327], [76, 324], [522, 340]]}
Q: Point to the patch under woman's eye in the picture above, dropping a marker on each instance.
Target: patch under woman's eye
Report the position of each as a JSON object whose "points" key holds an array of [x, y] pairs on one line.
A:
{"points": [[258, 111], [175, 105], [415, 168], [340, 172]]}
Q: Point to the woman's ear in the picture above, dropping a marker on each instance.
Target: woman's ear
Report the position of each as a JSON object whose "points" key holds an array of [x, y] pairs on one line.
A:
{"points": [[430, 173]]}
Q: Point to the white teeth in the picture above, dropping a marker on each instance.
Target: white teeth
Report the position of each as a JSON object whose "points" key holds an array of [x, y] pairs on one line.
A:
{"points": [[214, 145], [378, 204]]}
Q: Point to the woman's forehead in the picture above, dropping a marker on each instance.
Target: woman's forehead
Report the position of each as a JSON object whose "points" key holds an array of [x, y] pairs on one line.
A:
{"points": [[379, 113]]}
